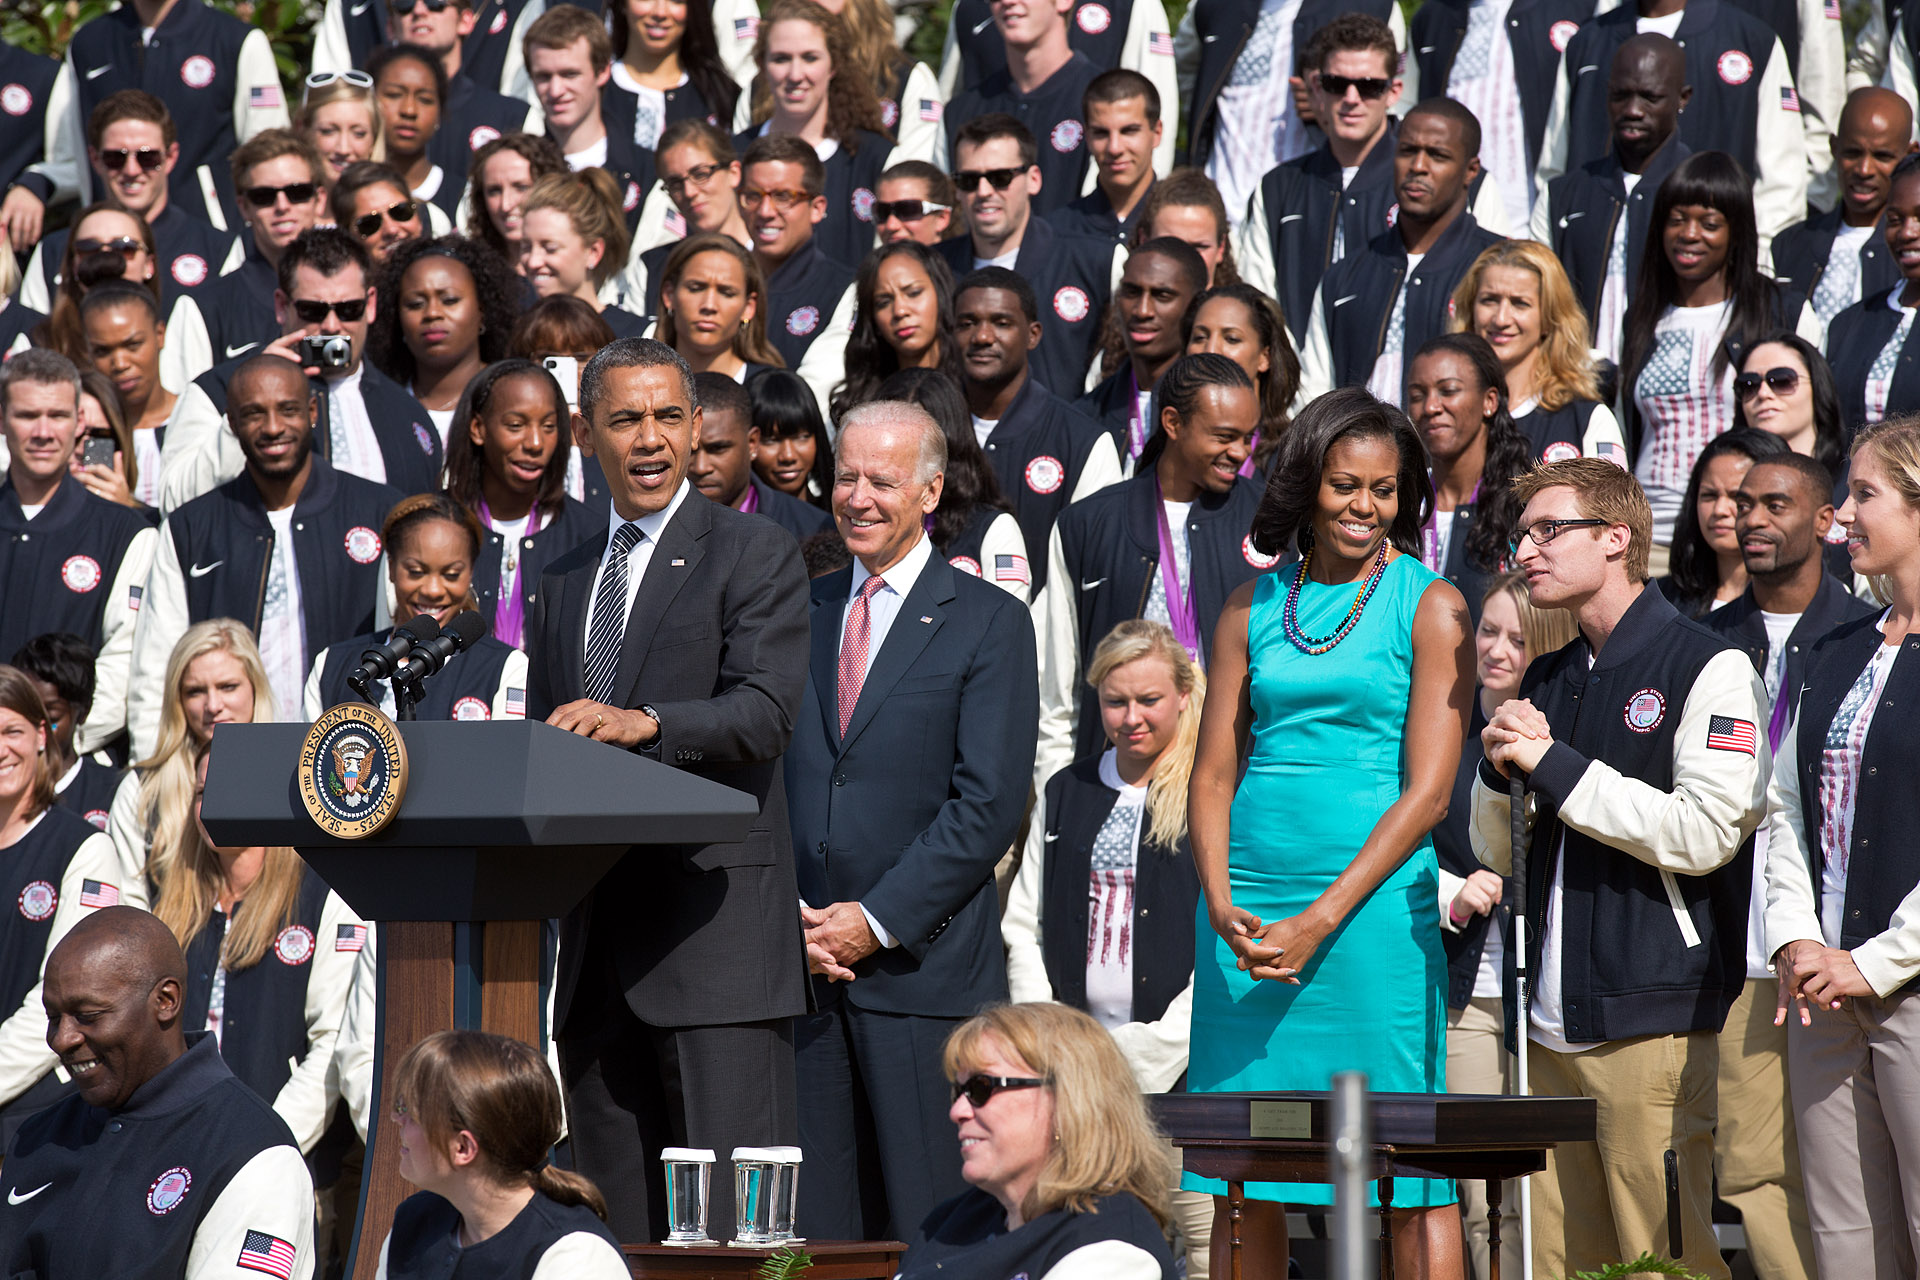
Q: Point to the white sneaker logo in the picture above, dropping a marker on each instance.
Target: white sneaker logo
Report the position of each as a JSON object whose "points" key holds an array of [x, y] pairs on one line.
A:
{"points": [[14, 1196], [202, 570]]}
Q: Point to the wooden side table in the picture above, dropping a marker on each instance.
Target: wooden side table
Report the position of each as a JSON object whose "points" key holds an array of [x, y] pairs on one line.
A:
{"points": [[832, 1260]]}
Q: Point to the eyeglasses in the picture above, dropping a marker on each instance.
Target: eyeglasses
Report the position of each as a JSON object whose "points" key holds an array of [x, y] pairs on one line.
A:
{"points": [[906, 210], [1372, 88], [321, 79], [698, 176], [1779, 381], [368, 223], [405, 7], [314, 311], [784, 201], [295, 192], [968, 180], [1544, 531], [125, 246], [977, 1089], [148, 158]]}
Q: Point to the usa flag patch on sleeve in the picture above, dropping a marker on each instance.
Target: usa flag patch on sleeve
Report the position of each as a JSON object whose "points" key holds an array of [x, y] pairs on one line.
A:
{"points": [[1724, 733], [1011, 569], [350, 937], [263, 1251], [1161, 43], [264, 97], [1789, 100], [98, 893], [517, 703], [134, 596]]}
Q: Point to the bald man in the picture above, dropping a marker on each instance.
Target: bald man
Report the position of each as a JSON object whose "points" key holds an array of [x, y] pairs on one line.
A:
{"points": [[162, 1163], [1836, 258]]}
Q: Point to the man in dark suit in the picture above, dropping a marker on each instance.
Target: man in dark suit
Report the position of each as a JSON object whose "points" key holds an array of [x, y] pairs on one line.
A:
{"points": [[908, 778], [682, 636]]}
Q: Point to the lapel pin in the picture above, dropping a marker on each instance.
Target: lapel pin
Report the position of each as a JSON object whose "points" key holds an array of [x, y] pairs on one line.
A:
{"points": [[679, 564], [926, 617]]}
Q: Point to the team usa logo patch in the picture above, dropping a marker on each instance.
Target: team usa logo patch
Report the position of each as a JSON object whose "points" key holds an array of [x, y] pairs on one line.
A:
{"points": [[1560, 34], [631, 200], [189, 269], [1045, 474], [1645, 710], [1734, 67], [1255, 556], [803, 321], [1066, 135], [294, 945], [197, 72], [1071, 303], [1093, 18], [863, 204], [967, 565], [363, 544], [80, 573], [1560, 451], [16, 99], [424, 438], [98, 817], [481, 137], [38, 900], [889, 112], [168, 1190], [472, 709], [498, 24]]}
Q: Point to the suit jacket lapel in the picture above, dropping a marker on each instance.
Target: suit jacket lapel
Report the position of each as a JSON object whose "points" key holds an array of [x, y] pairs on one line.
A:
{"points": [[829, 611], [906, 640], [670, 568]]}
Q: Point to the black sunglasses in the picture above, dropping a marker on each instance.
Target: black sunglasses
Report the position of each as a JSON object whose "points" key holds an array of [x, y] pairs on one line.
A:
{"points": [[125, 246], [907, 210], [977, 1089], [968, 180], [148, 158], [405, 7], [1779, 381], [314, 311], [368, 223], [295, 192], [1371, 88]]}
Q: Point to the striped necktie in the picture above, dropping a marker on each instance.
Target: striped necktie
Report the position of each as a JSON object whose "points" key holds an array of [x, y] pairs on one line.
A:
{"points": [[610, 616]]}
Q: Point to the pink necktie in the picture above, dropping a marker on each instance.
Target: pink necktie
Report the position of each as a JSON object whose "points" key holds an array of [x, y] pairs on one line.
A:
{"points": [[853, 649]]}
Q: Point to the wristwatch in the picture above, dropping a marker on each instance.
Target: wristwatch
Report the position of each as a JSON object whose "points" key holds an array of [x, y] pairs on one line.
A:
{"points": [[658, 729]]}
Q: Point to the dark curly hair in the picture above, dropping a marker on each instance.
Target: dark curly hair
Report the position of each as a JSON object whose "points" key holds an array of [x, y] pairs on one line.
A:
{"points": [[495, 287], [1284, 521], [1693, 570], [970, 483], [1497, 510], [543, 157], [1280, 383], [466, 461], [853, 101], [871, 359]]}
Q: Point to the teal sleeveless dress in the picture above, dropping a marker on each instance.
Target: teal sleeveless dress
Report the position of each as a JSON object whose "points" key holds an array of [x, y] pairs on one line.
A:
{"points": [[1326, 760]]}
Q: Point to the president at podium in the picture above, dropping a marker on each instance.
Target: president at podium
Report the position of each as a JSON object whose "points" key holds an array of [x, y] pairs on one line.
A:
{"points": [[682, 635]]}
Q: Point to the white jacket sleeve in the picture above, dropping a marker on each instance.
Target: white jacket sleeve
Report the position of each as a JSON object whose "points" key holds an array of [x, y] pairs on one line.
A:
{"points": [[1821, 77], [201, 452], [1253, 246], [1490, 209], [1791, 913], [1148, 49], [736, 25], [33, 282], [66, 165], [581, 1256], [1602, 428], [1157, 1051], [1020, 925], [258, 104], [1102, 469], [825, 365], [920, 138], [1489, 833], [950, 67], [1003, 538], [163, 620], [1553, 143], [1867, 60], [272, 1194], [1718, 796], [306, 1100], [1108, 1259], [1058, 627], [188, 351], [1780, 150], [331, 52], [310, 706], [1449, 886], [359, 1025], [1540, 221], [513, 677], [1409, 67], [1186, 60], [1900, 76], [24, 1055], [1316, 355], [112, 667], [514, 80]]}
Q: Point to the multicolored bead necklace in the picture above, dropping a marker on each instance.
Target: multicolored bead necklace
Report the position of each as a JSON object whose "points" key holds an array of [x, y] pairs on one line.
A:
{"points": [[1290, 617]]}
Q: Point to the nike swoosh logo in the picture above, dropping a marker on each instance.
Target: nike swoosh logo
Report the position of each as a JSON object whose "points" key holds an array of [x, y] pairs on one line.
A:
{"points": [[1051, 837], [96, 73], [1291, 217], [1341, 302], [1570, 217], [978, 27], [359, 9], [14, 1196], [1426, 48], [1088, 586], [202, 570], [245, 346], [1211, 39], [1592, 67]]}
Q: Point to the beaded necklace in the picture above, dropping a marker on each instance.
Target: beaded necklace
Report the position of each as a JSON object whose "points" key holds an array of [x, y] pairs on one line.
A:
{"points": [[1290, 617]]}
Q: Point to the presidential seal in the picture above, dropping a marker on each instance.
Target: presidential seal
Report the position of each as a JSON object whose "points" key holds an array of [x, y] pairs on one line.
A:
{"points": [[353, 771]]}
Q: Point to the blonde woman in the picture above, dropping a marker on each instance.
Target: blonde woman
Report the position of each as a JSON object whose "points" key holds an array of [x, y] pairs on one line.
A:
{"points": [[1517, 296], [911, 100], [341, 119], [214, 676], [1107, 866], [574, 242], [270, 954], [713, 308], [1069, 1174], [1511, 634]]}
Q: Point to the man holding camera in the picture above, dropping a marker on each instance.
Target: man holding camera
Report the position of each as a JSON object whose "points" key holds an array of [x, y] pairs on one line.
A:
{"points": [[369, 426]]}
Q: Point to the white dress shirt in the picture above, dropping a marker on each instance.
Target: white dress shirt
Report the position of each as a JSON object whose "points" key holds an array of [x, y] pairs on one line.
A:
{"points": [[640, 556], [355, 448]]}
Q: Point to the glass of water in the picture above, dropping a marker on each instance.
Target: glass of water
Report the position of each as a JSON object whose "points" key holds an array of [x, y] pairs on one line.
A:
{"points": [[754, 1179], [689, 1179], [786, 1192]]}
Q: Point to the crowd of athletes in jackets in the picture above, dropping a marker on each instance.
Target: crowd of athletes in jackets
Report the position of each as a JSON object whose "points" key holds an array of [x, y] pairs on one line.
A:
{"points": [[1683, 236]]}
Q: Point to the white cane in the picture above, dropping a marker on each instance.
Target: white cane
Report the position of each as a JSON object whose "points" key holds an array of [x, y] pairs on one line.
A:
{"points": [[1517, 905]]}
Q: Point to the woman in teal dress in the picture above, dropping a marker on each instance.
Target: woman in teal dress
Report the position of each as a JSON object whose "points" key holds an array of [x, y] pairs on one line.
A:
{"points": [[1344, 684]]}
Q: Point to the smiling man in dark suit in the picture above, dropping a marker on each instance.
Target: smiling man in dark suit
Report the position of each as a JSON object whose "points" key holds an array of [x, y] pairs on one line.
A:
{"points": [[908, 779], [681, 635]]}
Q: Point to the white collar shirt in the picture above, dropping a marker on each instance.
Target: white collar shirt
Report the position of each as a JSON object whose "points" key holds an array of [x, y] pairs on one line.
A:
{"points": [[651, 526], [884, 608]]}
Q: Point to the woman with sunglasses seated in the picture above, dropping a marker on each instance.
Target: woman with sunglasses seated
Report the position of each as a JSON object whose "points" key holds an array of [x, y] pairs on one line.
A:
{"points": [[1069, 1174], [446, 309], [1871, 344], [342, 120], [371, 203]]}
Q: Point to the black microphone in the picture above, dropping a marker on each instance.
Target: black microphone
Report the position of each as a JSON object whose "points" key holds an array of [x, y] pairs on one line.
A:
{"points": [[380, 662], [461, 632]]}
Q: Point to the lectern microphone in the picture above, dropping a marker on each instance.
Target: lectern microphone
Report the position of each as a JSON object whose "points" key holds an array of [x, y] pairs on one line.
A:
{"points": [[381, 661], [461, 632]]}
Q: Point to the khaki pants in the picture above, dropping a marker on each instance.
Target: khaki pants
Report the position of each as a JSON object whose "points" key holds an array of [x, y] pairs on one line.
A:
{"points": [[1856, 1100], [1755, 1155], [1478, 1062], [1193, 1221], [1605, 1201]]}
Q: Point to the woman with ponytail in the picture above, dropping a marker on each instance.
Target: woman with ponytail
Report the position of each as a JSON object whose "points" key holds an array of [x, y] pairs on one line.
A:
{"points": [[1457, 398], [573, 232], [1111, 830], [478, 1115]]}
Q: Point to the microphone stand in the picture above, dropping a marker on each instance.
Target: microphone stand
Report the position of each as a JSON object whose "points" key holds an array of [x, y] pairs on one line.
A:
{"points": [[406, 694]]}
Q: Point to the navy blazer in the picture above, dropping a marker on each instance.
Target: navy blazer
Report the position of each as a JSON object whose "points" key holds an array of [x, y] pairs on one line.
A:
{"points": [[910, 811]]}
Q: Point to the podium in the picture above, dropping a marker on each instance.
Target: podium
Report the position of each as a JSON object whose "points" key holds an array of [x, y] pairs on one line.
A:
{"points": [[504, 825]]}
